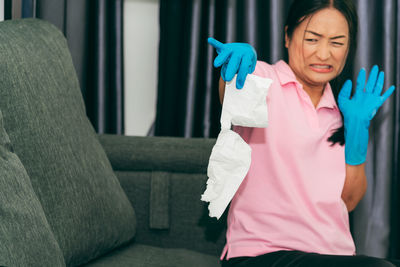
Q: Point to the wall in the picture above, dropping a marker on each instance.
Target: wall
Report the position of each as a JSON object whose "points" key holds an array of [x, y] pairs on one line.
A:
{"points": [[1, 10], [141, 39]]}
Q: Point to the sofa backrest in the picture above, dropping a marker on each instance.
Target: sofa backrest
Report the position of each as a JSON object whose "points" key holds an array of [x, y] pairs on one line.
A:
{"points": [[45, 118], [26, 238]]}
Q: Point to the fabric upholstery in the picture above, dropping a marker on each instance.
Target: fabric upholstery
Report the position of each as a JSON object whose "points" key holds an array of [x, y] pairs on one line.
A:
{"points": [[159, 200], [158, 153], [147, 256], [46, 121], [26, 238], [189, 225]]}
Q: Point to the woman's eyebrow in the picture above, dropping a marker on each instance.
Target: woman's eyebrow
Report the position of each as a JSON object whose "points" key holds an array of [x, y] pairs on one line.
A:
{"points": [[320, 35]]}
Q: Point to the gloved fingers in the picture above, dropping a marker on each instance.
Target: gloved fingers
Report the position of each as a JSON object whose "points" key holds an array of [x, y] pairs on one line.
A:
{"points": [[379, 84], [253, 60], [222, 58], [216, 44], [344, 96], [345, 92], [372, 79], [360, 82], [387, 93], [244, 68], [232, 67]]}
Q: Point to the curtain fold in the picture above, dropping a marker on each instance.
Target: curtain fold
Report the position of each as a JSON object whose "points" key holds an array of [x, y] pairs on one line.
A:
{"points": [[94, 33], [395, 187], [188, 103], [378, 45], [105, 72]]}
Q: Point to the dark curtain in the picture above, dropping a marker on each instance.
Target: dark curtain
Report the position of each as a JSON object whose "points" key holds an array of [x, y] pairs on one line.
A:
{"points": [[94, 33], [188, 103]]}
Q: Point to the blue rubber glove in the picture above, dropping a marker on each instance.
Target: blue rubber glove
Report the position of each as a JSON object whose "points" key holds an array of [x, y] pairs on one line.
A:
{"points": [[240, 58], [359, 111]]}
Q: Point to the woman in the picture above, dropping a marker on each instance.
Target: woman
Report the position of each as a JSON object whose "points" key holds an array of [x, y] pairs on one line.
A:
{"points": [[292, 208]]}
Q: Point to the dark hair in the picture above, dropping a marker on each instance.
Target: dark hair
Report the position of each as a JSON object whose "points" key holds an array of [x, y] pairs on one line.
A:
{"points": [[301, 10]]}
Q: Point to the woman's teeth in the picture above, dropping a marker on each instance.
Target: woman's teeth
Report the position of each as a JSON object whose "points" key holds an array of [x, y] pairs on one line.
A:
{"points": [[321, 66]]}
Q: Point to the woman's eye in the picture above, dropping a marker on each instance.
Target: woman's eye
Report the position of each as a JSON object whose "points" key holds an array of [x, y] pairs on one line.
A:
{"points": [[338, 44], [311, 40]]}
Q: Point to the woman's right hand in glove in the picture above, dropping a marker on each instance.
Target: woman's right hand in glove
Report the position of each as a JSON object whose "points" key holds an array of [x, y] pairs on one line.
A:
{"points": [[235, 58]]}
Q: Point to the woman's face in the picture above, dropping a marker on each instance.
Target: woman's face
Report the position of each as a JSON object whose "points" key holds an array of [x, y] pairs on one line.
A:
{"points": [[318, 47]]}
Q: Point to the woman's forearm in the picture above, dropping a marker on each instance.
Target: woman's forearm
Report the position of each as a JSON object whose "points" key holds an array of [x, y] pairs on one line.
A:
{"points": [[355, 185], [221, 90]]}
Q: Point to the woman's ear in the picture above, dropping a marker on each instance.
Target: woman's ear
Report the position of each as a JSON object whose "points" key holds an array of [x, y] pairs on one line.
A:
{"points": [[286, 38]]}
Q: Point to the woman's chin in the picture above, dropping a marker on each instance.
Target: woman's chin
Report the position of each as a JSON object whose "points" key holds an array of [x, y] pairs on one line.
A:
{"points": [[321, 80]]}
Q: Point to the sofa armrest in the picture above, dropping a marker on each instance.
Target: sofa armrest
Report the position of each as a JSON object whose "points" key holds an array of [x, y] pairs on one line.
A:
{"points": [[136, 153], [180, 165]]}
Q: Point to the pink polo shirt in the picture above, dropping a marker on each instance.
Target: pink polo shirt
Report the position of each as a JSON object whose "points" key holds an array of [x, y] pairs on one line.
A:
{"points": [[291, 196]]}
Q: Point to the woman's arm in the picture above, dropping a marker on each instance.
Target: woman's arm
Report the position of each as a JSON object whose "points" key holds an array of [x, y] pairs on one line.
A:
{"points": [[221, 88], [355, 185], [357, 113]]}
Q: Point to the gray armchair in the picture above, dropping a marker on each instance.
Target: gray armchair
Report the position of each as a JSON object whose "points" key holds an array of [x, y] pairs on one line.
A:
{"points": [[70, 197]]}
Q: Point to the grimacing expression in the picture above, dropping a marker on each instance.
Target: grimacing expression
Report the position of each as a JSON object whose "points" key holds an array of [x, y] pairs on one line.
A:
{"points": [[318, 47]]}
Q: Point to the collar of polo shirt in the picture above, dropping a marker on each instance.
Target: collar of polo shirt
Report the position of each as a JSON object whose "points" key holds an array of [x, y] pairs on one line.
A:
{"points": [[286, 76]]}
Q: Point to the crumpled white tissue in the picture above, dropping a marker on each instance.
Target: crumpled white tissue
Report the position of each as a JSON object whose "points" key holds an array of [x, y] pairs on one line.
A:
{"points": [[231, 156], [229, 163], [247, 106]]}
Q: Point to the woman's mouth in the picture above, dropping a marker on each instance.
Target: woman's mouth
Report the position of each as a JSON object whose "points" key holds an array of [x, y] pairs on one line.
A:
{"points": [[321, 68]]}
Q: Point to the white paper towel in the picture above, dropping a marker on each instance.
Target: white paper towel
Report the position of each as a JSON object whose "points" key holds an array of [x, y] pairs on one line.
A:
{"points": [[231, 156], [247, 106]]}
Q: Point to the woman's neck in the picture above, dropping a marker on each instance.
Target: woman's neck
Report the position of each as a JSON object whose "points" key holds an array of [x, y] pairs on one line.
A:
{"points": [[315, 93]]}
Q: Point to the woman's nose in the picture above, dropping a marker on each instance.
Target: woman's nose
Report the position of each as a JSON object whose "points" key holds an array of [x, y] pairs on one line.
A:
{"points": [[323, 52]]}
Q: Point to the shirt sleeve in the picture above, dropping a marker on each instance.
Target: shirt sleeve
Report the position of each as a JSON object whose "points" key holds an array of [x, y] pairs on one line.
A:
{"points": [[262, 69]]}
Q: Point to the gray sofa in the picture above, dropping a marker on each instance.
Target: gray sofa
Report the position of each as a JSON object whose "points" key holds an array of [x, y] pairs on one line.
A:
{"points": [[70, 197]]}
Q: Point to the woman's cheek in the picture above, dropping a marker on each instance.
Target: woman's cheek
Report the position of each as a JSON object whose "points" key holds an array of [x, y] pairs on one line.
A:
{"points": [[341, 57], [341, 54], [308, 50]]}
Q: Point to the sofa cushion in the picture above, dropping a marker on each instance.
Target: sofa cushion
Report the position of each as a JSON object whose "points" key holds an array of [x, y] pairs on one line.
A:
{"points": [[46, 121], [149, 256], [25, 235]]}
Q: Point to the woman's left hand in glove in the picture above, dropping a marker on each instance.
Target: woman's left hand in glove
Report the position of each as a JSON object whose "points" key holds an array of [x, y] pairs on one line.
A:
{"points": [[359, 111]]}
